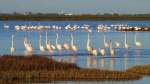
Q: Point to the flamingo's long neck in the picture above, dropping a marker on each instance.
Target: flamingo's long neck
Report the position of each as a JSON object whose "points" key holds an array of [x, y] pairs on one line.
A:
{"points": [[125, 41], [57, 36], [46, 38], [40, 43], [104, 39], [26, 44], [110, 45], [135, 39], [88, 40], [12, 41]]}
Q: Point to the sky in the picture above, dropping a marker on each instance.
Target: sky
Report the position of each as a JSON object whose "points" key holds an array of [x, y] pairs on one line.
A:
{"points": [[76, 6]]}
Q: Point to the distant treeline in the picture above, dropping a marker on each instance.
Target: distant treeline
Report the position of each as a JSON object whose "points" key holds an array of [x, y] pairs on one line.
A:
{"points": [[62, 17]]}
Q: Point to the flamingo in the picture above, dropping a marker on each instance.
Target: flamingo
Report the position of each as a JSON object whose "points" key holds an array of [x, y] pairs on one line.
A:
{"points": [[73, 46], [92, 51], [88, 45], [58, 46], [105, 43], [126, 45], [102, 51], [12, 49], [117, 44], [42, 49], [28, 45], [112, 51], [66, 46], [49, 47], [137, 43]]}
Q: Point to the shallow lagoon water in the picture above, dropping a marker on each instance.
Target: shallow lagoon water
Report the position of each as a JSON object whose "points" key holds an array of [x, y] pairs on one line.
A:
{"points": [[123, 59]]}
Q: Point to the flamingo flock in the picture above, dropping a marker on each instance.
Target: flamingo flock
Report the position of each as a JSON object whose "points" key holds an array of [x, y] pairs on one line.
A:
{"points": [[72, 46]]}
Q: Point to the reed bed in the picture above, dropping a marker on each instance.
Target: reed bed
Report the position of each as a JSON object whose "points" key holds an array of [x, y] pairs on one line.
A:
{"points": [[68, 75], [32, 63], [140, 69], [39, 69]]}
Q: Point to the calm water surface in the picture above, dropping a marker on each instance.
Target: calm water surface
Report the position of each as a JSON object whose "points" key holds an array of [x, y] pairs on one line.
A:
{"points": [[123, 59]]}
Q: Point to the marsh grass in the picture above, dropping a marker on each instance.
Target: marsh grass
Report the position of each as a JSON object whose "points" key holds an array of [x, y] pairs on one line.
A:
{"points": [[39, 69]]}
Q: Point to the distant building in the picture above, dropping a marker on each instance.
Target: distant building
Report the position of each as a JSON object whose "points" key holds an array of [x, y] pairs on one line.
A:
{"points": [[68, 14]]}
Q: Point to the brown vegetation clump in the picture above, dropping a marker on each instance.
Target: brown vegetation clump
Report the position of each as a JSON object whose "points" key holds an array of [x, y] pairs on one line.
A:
{"points": [[37, 69], [30, 63], [141, 69]]}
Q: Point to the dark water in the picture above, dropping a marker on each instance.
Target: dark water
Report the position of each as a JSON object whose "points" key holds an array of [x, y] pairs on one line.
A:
{"points": [[122, 60]]}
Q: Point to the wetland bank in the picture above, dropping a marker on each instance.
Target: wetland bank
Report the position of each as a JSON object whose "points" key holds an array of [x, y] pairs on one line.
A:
{"points": [[37, 69]]}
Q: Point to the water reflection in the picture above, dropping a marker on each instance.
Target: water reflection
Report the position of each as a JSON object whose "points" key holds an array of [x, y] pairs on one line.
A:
{"points": [[126, 61], [92, 62], [102, 63], [138, 57], [67, 59], [112, 63]]}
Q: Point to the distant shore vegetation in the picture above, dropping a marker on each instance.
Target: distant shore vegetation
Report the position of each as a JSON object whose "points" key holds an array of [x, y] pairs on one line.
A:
{"points": [[72, 17]]}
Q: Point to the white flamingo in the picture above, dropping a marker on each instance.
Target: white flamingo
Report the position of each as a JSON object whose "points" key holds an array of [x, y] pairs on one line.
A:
{"points": [[42, 49], [126, 45], [117, 44], [92, 51], [112, 51], [105, 43], [88, 45], [58, 46], [66, 46], [73, 46], [49, 47], [12, 49], [102, 51], [28, 46], [137, 43]]}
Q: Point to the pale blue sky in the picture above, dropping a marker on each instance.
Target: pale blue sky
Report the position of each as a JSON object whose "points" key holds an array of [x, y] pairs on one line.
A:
{"points": [[76, 6]]}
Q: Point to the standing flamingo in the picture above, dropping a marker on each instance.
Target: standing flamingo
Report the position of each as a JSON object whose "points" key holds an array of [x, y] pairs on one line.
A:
{"points": [[58, 46], [12, 49], [92, 51], [105, 43], [48, 45], [126, 45], [112, 51], [28, 46], [42, 49], [117, 44], [73, 46], [137, 43]]}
